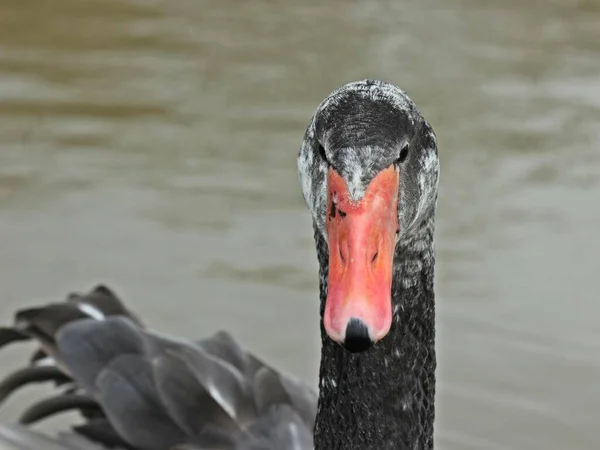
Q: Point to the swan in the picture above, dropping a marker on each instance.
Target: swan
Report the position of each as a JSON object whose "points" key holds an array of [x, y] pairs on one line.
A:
{"points": [[368, 167]]}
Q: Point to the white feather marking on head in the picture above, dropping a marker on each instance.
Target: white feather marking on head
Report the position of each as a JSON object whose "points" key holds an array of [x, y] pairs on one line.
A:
{"points": [[356, 187], [428, 181], [376, 90]]}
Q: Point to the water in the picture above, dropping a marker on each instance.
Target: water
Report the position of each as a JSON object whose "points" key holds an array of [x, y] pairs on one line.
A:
{"points": [[152, 145]]}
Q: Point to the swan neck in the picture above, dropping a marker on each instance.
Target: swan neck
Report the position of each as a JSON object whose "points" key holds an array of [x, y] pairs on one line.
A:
{"points": [[384, 398]]}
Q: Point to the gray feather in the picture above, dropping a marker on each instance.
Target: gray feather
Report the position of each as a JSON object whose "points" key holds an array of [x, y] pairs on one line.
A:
{"points": [[100, 430], [131, 403], [105, 301], [303, 398], [271, 388], [223, 346], [88, 346], [186, 400], [224, 383], [211, 438]]}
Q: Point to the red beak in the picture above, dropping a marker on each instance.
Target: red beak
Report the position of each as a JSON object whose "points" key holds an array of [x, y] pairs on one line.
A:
{"points": [[362, 238]]}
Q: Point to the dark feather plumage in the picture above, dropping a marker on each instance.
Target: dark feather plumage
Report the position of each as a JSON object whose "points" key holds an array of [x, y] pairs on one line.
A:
{"points": [[10, 335], [31, 374], [57, 404], [136, 389]]}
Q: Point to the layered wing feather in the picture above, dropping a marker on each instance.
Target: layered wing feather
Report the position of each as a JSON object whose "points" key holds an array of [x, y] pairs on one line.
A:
{"points": [[136, 389]]}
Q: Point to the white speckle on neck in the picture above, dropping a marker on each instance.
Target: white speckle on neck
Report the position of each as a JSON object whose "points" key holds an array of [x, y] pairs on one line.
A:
{"points": [[407, 282], [328, 382], [405, 403]]}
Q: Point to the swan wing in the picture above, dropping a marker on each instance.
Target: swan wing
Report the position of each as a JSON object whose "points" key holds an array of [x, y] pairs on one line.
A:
{"points": [[137, 389]]}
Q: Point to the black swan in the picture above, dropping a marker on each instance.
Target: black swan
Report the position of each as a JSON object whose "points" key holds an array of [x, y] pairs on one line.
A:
{"points": [[369, 171]]}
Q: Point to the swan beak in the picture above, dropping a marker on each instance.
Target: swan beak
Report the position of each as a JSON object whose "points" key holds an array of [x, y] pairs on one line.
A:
{"points": [[361, 239]]}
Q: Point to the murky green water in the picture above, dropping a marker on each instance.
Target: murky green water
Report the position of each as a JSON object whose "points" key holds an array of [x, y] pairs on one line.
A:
{"points": [[152, 145]]}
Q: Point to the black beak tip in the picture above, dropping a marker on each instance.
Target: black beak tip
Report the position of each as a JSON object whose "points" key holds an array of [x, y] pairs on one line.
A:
{"points": [[357, 337]]}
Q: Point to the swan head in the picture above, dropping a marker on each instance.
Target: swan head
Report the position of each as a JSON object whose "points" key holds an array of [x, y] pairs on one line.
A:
{"points": [[369, 171]]}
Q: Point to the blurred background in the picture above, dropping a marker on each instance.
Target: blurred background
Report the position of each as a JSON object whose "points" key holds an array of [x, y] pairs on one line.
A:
{"points": [[152, 145]]}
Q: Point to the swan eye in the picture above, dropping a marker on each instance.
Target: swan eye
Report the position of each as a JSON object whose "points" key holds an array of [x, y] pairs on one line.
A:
{"points": [[322, 153], [403, 154]]}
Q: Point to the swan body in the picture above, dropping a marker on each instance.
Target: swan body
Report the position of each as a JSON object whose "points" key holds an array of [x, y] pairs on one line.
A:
{"points": [[369, 169]]}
